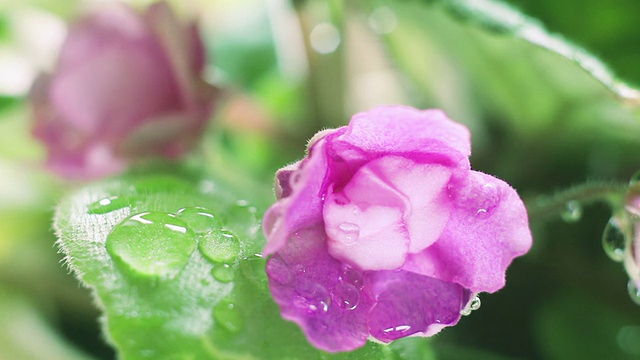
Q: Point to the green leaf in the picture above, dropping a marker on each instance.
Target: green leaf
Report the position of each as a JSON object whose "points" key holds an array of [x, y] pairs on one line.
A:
{"points": [[482, 59], [174, 263]]}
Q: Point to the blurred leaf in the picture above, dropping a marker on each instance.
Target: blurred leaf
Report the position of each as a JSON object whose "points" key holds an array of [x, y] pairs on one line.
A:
{"points": [[577, 326], [25, 336], [466, 53], [167, 286]]}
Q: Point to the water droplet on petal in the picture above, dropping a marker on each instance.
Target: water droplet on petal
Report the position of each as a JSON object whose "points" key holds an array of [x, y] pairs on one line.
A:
{"points": [[223, 272], [279, 271], [572, 212], [352, 277], [347, 296], [219, 246], [200, 219], [108, 204], [634, 292], [474, 304], [349, 233], [312, 296], [152, 244], [227, 315], [396, 332], [614, 241]]}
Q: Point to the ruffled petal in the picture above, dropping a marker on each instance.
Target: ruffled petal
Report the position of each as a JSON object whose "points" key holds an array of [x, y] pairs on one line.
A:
{"points": [[420, 135], [411, 304], [488, 228], [326, 299], [303, 208]]}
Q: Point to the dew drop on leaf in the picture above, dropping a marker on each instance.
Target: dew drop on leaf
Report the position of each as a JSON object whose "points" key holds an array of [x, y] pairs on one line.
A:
{"points": [[152, 244], [614, 241], [199, 219], [227, 315], [108, 204], [572, 212], [634, 292], [219, 246], [473, 305], [223, 272]]}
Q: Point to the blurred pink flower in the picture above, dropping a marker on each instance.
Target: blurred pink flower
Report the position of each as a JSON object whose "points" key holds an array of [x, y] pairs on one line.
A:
{"points": [[383, 230], [127, 86]]}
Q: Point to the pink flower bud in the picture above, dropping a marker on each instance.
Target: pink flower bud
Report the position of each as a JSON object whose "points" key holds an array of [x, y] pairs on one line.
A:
{"points": [[384, 231], [127, 86]]}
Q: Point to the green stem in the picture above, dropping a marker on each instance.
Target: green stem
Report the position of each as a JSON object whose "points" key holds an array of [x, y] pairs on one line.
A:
{"points": [[545, 206]]}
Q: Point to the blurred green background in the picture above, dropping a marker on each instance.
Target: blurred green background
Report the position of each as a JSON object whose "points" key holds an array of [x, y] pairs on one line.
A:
{"points": [[544, 117]]}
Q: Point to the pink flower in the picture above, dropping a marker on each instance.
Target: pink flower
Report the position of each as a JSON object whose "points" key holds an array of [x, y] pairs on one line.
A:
{"points": [[127, 86], [383, 230]]}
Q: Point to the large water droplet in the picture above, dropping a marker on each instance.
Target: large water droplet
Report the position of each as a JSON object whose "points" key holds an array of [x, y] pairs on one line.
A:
{"points": [[349, 233], [474, 304], [352, 277], [634, 292], [200, 220], [614, 240], [347, 296], [572, 212], [108, 204], [223, 272], [152, 244], [227, 315], [312, 296], [219, 245]]}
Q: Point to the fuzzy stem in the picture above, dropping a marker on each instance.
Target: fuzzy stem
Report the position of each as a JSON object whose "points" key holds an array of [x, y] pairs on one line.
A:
{"points": [[545, 206]]}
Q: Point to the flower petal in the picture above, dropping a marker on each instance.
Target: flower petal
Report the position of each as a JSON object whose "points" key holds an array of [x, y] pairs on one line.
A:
{"points": [[488, 228], [328, 300], [411, 304], [417, 134]]}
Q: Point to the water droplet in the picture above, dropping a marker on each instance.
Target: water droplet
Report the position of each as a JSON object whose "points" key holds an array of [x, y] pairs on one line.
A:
{"points": [[200, 220], [349, 233], [241, 218], [279, 271], [383, 20], [474, 304], [572, 212], [219, 245], [253, 268], [152, 244], [634, 292], [396, 332], [108, 204], [227, 315], [325, 38], [352, 277], [223, 272], [614, 240], [347, 296], [311, 296]]}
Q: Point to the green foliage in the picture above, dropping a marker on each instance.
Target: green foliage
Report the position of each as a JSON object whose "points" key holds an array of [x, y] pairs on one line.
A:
{"points": [[175, 264]]}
